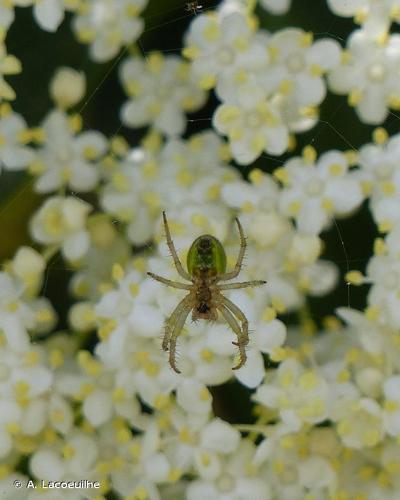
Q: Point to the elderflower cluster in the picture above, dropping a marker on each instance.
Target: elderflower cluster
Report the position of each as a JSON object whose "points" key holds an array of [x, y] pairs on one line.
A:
{"points": [[161, 89], [313, 193], [376, 17], [108, 25], [269, 85], [86, 390]]}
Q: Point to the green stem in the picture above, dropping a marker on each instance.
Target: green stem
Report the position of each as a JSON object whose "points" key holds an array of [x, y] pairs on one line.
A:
{"points": [[50, 252]]}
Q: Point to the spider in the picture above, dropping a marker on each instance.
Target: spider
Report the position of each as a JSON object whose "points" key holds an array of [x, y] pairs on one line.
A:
{"points": [[206, 268]]}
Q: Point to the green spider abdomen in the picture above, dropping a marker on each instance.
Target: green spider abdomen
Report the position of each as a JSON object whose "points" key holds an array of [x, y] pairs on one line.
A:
{"points": [[206, 255]]}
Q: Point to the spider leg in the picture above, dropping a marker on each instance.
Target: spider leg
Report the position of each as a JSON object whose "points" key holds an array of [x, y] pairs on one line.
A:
{"points": [[174, 284], [171, 321], [243, 284], [171, 247], [240, 315], [242, 340], [238, 265], [180, 321]]}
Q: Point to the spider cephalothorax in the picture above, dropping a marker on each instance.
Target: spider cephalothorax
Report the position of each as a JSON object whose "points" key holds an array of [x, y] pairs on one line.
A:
{"points": [[206, 264]]}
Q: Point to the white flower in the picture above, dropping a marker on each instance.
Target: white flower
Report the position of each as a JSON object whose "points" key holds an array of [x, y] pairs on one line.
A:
{"points": [[222, 47], [261, 194], [318, 278], [374, 336], [298, 64], [314, 192], [277, 7], [107, 248], [228, 477], [66, 460], [108, 25], [6, 17], [368, 74], [28, 266], [50, 13], [25, 382], [99, 392], [7, 486], [130, 329], [383, 272], [299, 464], [391, 406], [9, 65], [61, 221], [81, 317], [23, 374], [14, 155], [60, 413], [252, 127], [375, 16], [379, 175], [183, 177], [359, 422], [67, 159], [192, 438], [300, 395], [67, 87], [16, 316], [161, 90], [286, 258], [144, 467]]}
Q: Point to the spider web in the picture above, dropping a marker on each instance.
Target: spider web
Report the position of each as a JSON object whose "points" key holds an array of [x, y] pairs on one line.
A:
{"points": [[328, 133]]}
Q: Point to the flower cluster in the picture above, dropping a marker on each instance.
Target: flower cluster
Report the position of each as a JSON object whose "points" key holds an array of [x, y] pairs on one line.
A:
{"points": [[161, 89], [98, 399], [376, 17], [269, 85], [108, 25]]}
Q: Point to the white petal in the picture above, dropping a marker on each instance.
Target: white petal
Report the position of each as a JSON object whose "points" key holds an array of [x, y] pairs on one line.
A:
{"points": [[34, 417], [253, 371], [199, 490], [392, 388], [49, 14], [156, 468], [270, 335], [345, 194], [345, 8], [5, 443], [312, 219], [171, 120], [76, 245], [277, 140], [193, 396], [146, 320], [92, 139], [277, 7], [85, 453], [97, 407], [242, 152], [325, 53], [219, 436], [309, 90], [49, 181], [16, 157], [46, 465], [343, 79], [16, 335], [315, 472], [372, 109]]}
